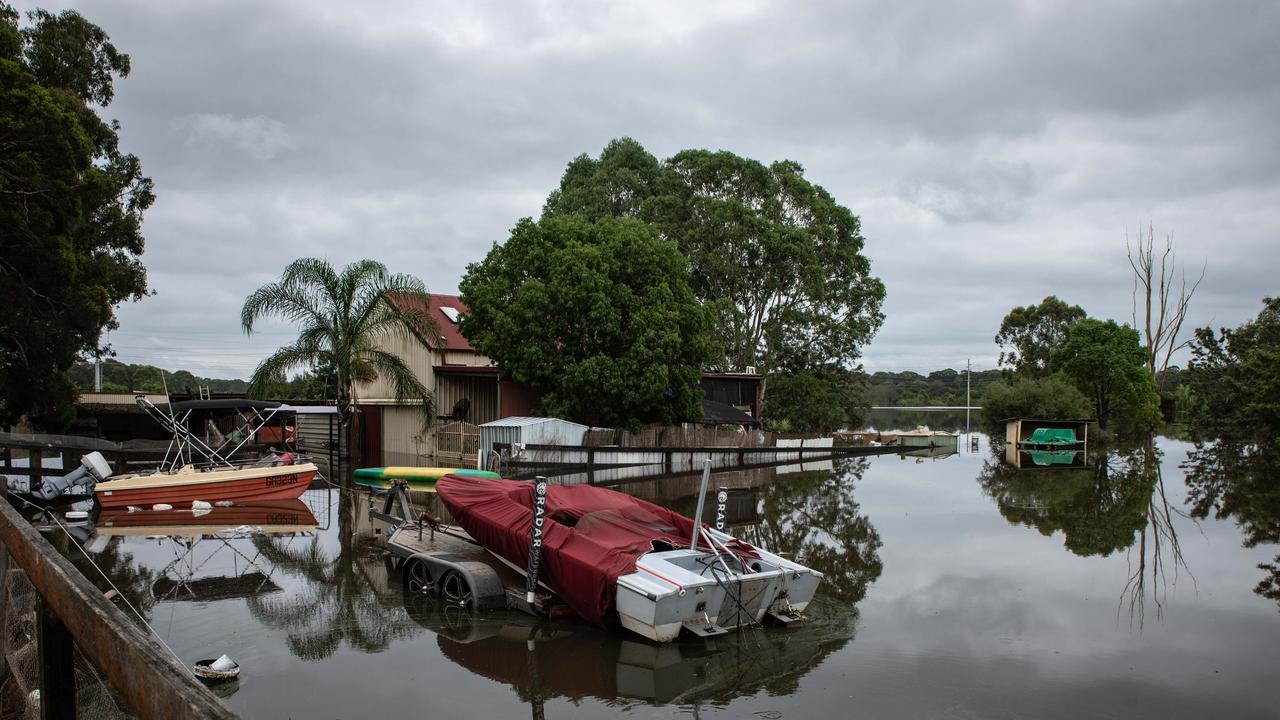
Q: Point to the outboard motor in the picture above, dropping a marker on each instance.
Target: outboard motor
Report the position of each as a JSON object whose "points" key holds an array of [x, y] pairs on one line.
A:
{"points": [[93, 469]]}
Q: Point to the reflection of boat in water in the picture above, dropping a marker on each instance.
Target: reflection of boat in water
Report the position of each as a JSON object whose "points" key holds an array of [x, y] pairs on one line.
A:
{"points": [[1023, 458], [933, 452], [1054, 457], [285, 516], [189, 528], [551, 659]]}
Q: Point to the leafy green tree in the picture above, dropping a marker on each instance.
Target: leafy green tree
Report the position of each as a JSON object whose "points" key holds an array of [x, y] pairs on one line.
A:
{"points": [[1235, 377], [345, 320], [1029, 335], [597, 315], [616, 185], [1108, 364], [803, 402], [1048, 397], [774, 257], [71, 206]]}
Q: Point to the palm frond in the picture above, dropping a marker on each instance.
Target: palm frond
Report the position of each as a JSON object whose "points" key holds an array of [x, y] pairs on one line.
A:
{"points": [[277, 365], [312, 273], [293, 303]]}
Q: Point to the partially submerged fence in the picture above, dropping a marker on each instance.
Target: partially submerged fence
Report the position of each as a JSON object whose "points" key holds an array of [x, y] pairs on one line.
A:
{"points": [[457, 444], [66, 613], [682, 436]]}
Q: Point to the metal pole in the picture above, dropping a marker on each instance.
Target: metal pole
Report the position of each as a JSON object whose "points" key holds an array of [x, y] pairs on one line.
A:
{"points": [[968, 398], [535, 536], [702, 498]]}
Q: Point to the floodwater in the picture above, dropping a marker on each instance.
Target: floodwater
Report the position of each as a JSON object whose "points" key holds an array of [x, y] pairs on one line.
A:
{"points": [[955, 587]]}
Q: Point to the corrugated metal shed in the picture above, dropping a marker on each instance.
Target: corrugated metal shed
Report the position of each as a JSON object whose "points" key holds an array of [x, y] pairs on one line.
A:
{"points": [[318, 434], [530, 431]]}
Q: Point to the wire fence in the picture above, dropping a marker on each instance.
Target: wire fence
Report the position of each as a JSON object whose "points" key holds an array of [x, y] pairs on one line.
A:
{"points": [[19, 693]]}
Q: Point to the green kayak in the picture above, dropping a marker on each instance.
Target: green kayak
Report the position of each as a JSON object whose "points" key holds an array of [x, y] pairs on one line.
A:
{"points": [[419, 478]]}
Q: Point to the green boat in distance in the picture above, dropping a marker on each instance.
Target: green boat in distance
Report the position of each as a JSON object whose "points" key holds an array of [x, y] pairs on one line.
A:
{"points": [[422, 479]]}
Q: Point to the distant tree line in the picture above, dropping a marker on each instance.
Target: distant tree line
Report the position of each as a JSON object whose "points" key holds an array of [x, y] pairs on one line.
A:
{"points": [[938, 388], [126, 377]]}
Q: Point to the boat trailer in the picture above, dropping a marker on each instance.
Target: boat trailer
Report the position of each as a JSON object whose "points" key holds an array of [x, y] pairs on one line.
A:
{"points": [[445, 561]]}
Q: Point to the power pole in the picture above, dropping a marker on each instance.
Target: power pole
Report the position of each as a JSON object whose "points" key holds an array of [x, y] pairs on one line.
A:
{"points": [[968, 401]]}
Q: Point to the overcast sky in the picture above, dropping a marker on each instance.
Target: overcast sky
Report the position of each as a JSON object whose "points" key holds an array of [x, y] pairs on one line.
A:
{"points": [[997, 152]]}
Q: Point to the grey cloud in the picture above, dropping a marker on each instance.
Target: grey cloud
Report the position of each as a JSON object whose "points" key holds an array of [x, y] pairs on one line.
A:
{"points": [[996, 152], [262, 138], [991, 192]]}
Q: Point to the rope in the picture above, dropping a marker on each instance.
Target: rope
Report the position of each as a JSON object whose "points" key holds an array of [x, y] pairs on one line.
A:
{"points": [[95, 565]]}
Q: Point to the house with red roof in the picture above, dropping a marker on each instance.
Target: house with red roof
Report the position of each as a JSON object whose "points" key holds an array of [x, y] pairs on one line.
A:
{"points": [[464, 383], [467, 387]]}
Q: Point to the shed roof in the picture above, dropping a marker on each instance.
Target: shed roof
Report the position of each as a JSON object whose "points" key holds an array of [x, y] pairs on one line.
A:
{"points": [[525, 421], [719, 413]]}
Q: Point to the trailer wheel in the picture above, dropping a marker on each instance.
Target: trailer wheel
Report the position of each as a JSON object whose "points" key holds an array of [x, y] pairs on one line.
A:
{"points": [[417, 579], [456, 591]]}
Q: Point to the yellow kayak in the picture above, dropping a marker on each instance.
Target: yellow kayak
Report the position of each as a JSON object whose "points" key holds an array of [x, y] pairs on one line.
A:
{"points": [[419, 478]]}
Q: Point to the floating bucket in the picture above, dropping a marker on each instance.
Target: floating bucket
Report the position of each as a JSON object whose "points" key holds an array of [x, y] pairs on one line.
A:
{"points": [[204, 669]]}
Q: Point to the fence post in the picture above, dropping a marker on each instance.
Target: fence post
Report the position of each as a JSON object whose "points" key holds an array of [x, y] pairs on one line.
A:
{"points": [[4, 591], [57, 667]]}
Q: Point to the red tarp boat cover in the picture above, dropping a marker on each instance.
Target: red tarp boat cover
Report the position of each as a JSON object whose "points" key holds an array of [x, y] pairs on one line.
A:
{"points": [[591, 535]]}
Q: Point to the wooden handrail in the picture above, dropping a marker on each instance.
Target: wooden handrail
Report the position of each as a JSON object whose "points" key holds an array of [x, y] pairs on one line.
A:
{"points": [[151, 681]]}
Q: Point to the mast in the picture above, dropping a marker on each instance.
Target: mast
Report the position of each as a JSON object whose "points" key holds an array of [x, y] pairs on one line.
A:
{"points": [[968, 399]]}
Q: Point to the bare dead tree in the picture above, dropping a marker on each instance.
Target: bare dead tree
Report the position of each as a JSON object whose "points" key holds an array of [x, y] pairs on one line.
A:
{"points": [[1154, 285]]}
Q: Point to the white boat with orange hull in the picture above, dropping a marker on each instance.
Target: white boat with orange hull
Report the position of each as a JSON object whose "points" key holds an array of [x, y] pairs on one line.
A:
{"points": [[245, 484]]}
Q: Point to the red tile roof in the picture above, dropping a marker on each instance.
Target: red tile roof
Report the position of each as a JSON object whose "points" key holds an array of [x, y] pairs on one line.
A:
{"points": [[453, 339]]}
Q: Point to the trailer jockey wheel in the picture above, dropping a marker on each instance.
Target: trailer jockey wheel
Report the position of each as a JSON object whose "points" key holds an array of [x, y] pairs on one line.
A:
{"points": [[455, 590], [416, 578]]}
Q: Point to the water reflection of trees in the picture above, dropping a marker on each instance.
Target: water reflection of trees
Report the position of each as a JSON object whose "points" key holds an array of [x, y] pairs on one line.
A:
{"points": [[1241, 480], [337, 603], [128, 576], [814, 518], [1118, 502]]}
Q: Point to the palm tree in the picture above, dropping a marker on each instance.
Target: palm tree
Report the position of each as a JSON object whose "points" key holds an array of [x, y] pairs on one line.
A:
{"points": [[346, 320]]}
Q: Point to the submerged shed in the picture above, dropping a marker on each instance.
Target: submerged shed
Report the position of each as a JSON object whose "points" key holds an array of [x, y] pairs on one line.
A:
{"points": [[529, 431], [1022, 431]]}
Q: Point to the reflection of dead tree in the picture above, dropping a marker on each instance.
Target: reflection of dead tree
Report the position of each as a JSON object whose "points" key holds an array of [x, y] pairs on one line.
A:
{"points": [[1153, 290], [1163, 536]]}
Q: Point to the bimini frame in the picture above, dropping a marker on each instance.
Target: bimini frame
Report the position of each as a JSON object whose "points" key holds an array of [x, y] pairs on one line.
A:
{"points": [[185, 445]]}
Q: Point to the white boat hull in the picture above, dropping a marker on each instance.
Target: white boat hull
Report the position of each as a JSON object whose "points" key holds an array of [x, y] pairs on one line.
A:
{"points": [[674, 590]]}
